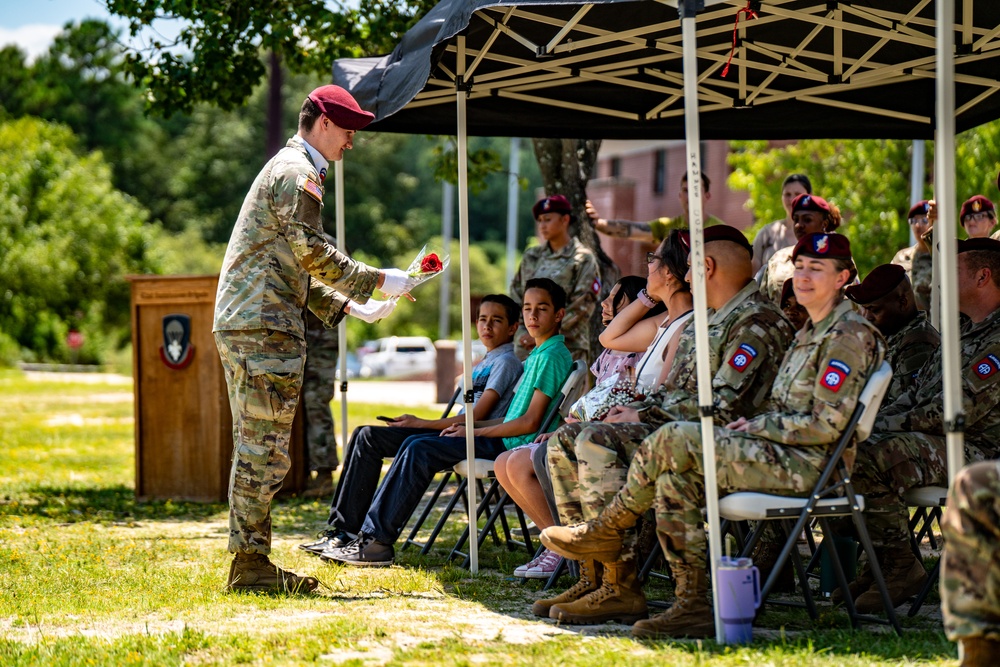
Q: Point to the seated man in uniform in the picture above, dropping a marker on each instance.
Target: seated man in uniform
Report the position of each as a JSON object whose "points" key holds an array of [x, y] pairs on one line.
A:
{"points": [[887, 301]]}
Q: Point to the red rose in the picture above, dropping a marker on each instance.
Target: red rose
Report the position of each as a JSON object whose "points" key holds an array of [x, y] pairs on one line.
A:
{"points": [[431, 264]]}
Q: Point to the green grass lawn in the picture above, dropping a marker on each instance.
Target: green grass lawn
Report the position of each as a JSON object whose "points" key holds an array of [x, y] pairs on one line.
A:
{"points": [[90, 576]]}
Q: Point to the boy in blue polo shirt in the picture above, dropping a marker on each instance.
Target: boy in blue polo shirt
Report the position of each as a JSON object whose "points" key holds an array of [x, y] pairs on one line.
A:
{"points": [[421, 456]]}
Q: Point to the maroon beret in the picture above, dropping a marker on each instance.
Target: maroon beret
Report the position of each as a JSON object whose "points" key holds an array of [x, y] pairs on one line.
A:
{"points": [[807, 202], [823, 246], [975, 204], [882, 280], [922, 207], [553, 204], [719, 233], [340, 106], [787, 292], [965, 245]]}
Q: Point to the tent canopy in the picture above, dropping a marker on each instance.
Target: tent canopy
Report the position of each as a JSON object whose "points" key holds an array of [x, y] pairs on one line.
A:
{"points": [[612, 69]]}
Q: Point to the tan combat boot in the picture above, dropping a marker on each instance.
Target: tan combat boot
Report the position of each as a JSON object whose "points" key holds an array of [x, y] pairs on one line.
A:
{"points": [[589, 581], [904, 575], [690, 616], [978, 652], [620, 598], [600, 539], [255, 572]]}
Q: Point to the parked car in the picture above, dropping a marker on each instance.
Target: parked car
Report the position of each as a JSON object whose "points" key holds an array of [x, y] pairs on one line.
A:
{"points": [[353, 366], [399, 356]]}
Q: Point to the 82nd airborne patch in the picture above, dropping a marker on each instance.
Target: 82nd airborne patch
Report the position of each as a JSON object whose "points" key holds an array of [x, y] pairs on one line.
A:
{"points": [[834, 375], [743, 356], [987, 367]]}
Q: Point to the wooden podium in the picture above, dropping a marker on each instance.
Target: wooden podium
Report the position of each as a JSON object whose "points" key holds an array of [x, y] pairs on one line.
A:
{"points": [[183, 422]]}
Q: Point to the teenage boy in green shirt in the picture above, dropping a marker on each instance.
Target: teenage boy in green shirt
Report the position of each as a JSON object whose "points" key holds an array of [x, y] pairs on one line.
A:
{"points": [[422, 456]]}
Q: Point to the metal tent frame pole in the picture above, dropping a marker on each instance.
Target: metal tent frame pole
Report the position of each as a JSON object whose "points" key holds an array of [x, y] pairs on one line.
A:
{"points": [[706, 404], [947, 246], [338, 207], [463, 234]]}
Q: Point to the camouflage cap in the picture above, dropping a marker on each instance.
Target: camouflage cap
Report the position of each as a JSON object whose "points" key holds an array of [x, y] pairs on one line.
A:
{"points": [[879, 282]]}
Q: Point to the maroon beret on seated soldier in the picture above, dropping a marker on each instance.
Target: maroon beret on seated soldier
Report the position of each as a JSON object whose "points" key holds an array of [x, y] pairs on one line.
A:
{"points": [[975, 204], [922, 207], [553, 204], [340, 107], [807, 202], [878, 283], [823, 246], [719, 233], [967, 245], [787, 292]]}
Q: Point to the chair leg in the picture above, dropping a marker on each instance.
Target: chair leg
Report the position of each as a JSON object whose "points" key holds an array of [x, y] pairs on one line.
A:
{"points": [[554, 577], [869, 548], [459, 495], [931, 582], [484, 505], [411, 538]]}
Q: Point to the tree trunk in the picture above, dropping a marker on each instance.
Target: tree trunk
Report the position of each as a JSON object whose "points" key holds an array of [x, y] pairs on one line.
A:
{"points": [[275, 132], [566, 166]]}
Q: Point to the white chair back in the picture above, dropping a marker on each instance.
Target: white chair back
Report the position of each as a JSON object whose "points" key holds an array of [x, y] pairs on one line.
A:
{"points": [[871, 398]]}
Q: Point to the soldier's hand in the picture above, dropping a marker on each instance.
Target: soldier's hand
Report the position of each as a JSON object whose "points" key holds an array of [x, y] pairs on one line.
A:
{"points": [[622, 415], [371, 312], [595, 218], [738, 425], [397, 282]]}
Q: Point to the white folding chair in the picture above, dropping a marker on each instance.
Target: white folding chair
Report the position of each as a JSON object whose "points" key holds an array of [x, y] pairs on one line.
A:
{"points": [[929, 500], [832, 496]]}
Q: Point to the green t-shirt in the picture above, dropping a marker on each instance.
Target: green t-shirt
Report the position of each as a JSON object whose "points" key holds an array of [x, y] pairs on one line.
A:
{"points": [[545, 369], [663, 226]]}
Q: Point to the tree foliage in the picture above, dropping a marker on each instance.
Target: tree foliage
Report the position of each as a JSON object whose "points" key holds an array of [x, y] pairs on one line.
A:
{"points": [[67, 239], [868, 179]]}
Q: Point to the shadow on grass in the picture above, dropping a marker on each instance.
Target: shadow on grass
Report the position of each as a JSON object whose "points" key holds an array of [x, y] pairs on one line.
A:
{"points": [[70, 504]]}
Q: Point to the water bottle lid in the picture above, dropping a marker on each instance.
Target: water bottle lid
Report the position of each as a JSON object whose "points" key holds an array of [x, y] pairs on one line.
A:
{"points": [[737, 563]]}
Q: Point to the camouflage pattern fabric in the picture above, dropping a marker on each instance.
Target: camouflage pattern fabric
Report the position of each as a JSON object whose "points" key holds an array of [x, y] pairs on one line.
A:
{"points": [[907, 447], [777, 270], [908, 350], [574, 268], [784, 448], [918, 270], [970, 571], [747, 336], [264, 375], [318, 386], [770, 239], [278, 246]]}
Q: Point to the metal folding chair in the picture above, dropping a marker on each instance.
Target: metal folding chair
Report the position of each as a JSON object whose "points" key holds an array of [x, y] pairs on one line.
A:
{"points": [[832, 496], [928, 500]]}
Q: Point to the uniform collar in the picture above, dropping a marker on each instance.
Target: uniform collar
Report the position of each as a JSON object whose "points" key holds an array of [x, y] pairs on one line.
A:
{"points": [[567, 250], [989, 324], [318, 160], [811, 331], [916, 322], [748, 290]]}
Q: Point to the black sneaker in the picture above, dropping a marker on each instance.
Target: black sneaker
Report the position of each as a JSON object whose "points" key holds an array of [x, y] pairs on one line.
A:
{"points": [[365, 551], [331, 538]]}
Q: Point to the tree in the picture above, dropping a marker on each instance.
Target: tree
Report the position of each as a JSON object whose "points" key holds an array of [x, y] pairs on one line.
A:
{"points": [[67, 241]]}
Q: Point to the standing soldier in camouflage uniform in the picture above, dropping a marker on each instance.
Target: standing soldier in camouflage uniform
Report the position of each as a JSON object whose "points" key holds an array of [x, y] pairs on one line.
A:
{"points": [[916, 259], [318, 385], [970, 573], [781, 450], [588, 461], [907, 447], [811, 214], [278, 262], [886, 300], [571, 265]]}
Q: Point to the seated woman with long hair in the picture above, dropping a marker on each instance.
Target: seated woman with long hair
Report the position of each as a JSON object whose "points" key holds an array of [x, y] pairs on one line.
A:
{"points": [[665, 285]]}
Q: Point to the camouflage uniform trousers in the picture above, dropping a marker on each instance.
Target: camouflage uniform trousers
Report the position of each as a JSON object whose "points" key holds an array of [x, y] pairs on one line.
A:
{"points": [[667, 474], [887, 466], [970, 574], [318, 385], [264, 375], [587, 463]]}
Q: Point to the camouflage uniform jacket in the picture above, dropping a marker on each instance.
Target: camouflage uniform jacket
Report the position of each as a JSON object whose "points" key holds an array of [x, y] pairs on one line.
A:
{"points": [[278, 256], [908, 350], [922, 407], [574, 268], [821, 378], [918, 270], [746, 337], [777, 270]]}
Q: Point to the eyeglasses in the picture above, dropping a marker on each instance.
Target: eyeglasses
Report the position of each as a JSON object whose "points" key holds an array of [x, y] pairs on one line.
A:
{"points": [[651, 257], [919, 220], [976, 217]]}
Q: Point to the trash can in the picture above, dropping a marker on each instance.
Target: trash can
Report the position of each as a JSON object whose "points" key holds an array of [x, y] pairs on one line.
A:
{"points": [[183, 423]]}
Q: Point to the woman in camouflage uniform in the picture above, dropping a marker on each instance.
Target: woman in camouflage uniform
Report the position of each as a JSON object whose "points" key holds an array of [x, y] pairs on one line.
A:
{"points": [[783, 449]]}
